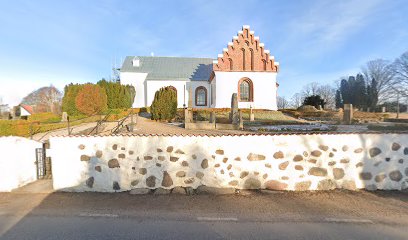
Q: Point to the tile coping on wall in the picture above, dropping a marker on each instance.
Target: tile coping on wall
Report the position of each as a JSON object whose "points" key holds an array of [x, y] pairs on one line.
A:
{"points": [[233, 134]]}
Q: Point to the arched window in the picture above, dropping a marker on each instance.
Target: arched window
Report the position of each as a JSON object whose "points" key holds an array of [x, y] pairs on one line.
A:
{"points": [[245, 90], [201, 96], [231, 64], [264, 64]]}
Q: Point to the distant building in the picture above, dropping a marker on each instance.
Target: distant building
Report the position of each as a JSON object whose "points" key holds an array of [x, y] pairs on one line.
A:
{"points": [[245, 67], [22, 111]]}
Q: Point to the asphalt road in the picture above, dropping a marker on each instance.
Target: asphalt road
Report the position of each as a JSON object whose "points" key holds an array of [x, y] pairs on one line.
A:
{"points": [[282, 215]]}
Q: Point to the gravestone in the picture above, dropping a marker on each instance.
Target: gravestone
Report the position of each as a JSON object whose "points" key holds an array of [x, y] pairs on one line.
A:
{"points": [[212, 117], [64, 117], [348, 113], [234, 118], [383, 109], [251, 115]]}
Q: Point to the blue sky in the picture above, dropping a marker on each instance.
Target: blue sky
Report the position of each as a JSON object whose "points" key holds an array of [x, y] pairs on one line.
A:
{"points": [[58, 42]]}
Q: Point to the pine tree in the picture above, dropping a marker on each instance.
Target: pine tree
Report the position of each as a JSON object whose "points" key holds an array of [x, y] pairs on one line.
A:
{"points": [[339, 102], [164, 105]]}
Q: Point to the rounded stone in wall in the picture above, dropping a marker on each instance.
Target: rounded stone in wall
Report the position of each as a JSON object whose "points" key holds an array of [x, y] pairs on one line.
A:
{"points": [[395, 176], [180, 174], [252, 183], [98, 168], [243, 174], [167, 181], [303, 186], [374, 152], [345, 148], [142, 171], [114, 146], [169, 149], [395, 146], [380, 177], [85, 158], [317, 171], [90, 182], [278, 155], [115, 185], [98, 154], [323, 147], [338, 173], [316, 153], [204, 164], [366, 176], [199, 175], [283, 165], [299, 167], [233, 183], [134, 182], [297, 158], [349, 185], [151, 182], [113, 163], [358, 150], [275, 185], [326, 184], [81, 146]]}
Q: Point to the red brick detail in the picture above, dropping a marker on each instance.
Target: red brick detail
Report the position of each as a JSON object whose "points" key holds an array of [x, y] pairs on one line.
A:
{"points": [[245, 54]]}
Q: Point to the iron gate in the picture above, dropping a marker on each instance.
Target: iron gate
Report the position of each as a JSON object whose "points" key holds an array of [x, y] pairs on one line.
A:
{"points": [[40, 161]]}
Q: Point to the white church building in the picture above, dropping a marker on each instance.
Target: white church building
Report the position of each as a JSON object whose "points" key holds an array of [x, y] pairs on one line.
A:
{"points": [[245, 67]]}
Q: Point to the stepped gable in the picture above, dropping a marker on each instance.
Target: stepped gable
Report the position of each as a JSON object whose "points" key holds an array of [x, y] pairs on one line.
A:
{"points": [[245, 53]]}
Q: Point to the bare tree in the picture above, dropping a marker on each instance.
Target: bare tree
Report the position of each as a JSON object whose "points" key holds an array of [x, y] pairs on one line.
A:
{"points": [[400, 68], [328, 94], [282, 103], [45, 99], [296, 100], [382, 72], [310, 89]]}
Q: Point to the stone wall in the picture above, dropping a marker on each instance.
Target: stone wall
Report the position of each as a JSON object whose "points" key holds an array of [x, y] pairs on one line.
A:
{"points": [[279, 162], [17, 162]]}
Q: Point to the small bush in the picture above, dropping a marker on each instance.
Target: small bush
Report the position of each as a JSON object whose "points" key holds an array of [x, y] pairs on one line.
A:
{"points": [[164, 105]]}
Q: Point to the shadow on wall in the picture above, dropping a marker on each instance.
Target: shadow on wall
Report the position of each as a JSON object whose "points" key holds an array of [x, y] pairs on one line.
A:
{"points": [[202, 72]]}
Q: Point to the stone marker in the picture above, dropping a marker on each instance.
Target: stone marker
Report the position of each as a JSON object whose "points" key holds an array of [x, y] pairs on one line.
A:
{"points": [[251, 115], [212, 117], [383, 109], [234, 118], [348, 113]]}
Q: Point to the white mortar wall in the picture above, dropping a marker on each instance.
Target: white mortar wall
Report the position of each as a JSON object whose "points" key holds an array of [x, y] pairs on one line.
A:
{"points": [[285, 162], [17, 163], [264, 89]]}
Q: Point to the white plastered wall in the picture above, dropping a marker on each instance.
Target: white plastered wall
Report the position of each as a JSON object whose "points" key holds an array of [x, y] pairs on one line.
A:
{"points": [[17, 163], [138, 81], [264, 84]]}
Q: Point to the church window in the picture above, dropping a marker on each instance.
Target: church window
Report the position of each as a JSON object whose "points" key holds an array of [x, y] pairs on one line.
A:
{"points": [[201, 96], [245, 90]]}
